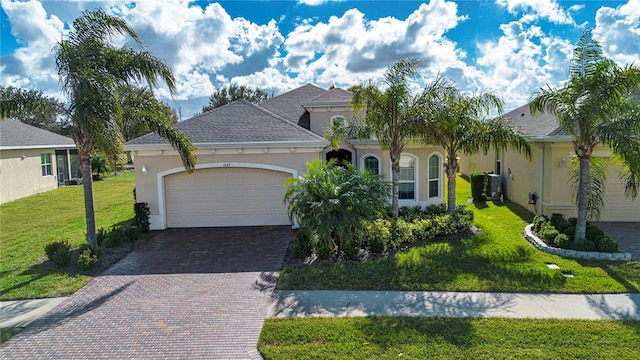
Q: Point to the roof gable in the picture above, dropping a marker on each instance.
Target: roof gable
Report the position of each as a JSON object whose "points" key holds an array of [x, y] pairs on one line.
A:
{"points": [[541, 125], [289, 104], [237, 122], [331, 97], [18, 135]]}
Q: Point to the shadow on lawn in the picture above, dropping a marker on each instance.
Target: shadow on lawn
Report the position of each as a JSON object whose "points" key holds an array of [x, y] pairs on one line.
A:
{"points": [[386, 332], [435, 266]]}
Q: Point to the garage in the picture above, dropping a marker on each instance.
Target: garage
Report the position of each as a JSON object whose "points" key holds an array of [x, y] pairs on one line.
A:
{"points": [[618, 206], [226, 196]]}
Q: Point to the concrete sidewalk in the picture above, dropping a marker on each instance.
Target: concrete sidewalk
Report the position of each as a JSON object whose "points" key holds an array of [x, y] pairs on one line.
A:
{"points": [[338, 303], [453, 304], [20, 313]]}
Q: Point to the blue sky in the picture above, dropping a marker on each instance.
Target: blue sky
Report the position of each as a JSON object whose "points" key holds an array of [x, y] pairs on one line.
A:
{"points": [[510, 46]]}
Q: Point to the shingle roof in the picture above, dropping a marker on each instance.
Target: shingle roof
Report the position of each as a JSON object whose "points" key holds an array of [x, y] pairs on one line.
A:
{"points": [[540, 125], [17, 135], [289, 104], [237, 122], [333, 96]]}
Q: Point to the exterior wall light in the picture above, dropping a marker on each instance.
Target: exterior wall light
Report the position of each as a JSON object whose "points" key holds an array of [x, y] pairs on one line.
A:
{"points": [[144, 170], [563, 162]]}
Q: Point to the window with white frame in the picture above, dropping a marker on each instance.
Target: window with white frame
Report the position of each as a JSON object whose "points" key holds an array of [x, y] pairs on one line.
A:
{"points": [[45, 163], [434, 176], [372, 164], [407, 188]]}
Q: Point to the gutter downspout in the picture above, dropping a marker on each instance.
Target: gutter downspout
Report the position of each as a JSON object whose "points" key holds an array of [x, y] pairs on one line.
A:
{"points": [[540, 184]]}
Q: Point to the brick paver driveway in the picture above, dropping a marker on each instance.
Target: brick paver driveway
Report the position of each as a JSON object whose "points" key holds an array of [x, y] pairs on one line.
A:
{"points": [[183, 293]]}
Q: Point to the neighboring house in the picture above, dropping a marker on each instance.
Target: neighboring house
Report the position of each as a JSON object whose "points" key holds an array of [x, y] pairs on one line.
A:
{"points": [[33, 160], [245, 153], [548, 173]]}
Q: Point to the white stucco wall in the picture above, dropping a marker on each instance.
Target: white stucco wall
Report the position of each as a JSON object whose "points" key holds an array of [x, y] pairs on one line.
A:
{"points": [[21, 173]]}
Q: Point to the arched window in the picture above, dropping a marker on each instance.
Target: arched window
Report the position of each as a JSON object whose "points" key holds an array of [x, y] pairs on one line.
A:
{"points": [[342, 156], [371, 163], [434, 176], [338, 120], [407, 188]]}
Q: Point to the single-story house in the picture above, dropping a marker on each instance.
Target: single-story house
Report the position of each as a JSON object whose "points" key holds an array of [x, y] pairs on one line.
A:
{"points": [[246, 152], [33, 160], [547, 175]]}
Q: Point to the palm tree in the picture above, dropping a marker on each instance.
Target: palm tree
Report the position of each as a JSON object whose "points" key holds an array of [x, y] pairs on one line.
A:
{"points": [[391, 115], [595, 107], [91, 69], [454, 121]]}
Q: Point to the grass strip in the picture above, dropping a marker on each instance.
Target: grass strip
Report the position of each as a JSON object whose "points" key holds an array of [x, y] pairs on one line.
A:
{"points": [[448, 338]]}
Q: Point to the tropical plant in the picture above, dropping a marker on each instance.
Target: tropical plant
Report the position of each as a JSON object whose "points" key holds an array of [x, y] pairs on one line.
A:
{"points": [[391, 115], [595, 107], [91, 69], [454, 121], [235, 92], [139, 104], [333, 202], [597, 180], [32, 107]]}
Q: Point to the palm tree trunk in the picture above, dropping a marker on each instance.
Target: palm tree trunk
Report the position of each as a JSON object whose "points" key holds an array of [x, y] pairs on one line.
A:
{"points": [[87, 184], [451, 168], [395, 182], [583, 194]]}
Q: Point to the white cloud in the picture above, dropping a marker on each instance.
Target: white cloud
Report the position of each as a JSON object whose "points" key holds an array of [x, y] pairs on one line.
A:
{"points": [[316, 2], [350, 48], [618, 30], [535, 9], [522, 61], [37, 32]]}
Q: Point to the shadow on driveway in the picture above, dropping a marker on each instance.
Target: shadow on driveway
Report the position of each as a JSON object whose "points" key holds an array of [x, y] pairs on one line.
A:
{"points": [[208, 250]]}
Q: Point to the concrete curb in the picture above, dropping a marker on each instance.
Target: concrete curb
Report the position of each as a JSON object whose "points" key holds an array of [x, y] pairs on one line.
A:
{"points": [[573, 254]]}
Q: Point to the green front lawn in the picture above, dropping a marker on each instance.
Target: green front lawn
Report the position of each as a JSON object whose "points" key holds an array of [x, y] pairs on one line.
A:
{"points": [[448, 338], [498, 259], [27, 224]]}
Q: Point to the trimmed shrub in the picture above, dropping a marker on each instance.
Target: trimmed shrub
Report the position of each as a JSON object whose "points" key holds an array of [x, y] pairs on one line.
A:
{"points": [[435, 210], [88, 258], [548, 233], [377, 235], [142, 214], [479, 186], [607, 244], [410, 213], [59, 252], [538, 221], [585, 245], [401, 232], [562, 241], [593, 233]]}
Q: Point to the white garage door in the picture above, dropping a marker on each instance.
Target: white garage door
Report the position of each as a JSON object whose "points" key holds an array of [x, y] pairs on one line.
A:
{"points": [[617, 206], [226, 197]]}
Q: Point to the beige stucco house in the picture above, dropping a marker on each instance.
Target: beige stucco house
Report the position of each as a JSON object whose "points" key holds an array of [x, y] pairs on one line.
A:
{"points": [[548, 173], [32, 160], [246, 152]]}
